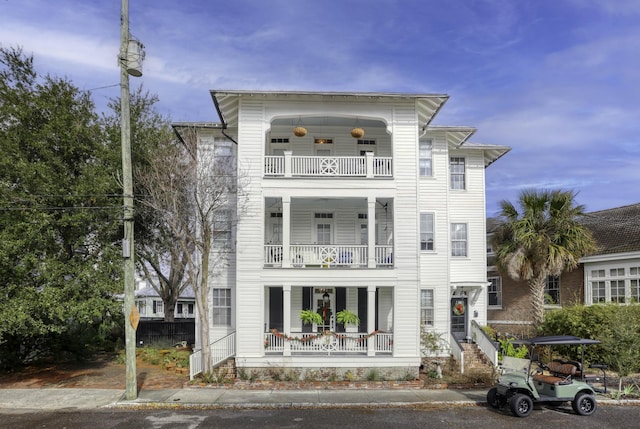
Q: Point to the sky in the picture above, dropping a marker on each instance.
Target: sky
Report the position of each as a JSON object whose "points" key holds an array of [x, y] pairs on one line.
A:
{"points": [[558, 81]]}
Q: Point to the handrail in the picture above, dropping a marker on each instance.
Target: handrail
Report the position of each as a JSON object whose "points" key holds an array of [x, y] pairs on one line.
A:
{"points": [[484, 342], [221, 350]]}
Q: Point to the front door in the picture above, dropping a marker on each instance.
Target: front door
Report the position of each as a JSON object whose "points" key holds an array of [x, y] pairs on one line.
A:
{"points": [[459, 318]]}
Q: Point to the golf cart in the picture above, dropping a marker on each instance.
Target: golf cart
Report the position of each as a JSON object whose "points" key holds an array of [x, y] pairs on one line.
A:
{"points": [[524, 382]]}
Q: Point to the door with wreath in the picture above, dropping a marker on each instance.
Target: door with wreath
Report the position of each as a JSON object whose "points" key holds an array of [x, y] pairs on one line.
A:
{"points": [[459, 318]]}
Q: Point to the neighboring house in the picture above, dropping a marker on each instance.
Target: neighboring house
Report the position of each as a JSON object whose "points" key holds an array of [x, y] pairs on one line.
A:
{"points": [[354, 201], [151, 307], [611, 274]]}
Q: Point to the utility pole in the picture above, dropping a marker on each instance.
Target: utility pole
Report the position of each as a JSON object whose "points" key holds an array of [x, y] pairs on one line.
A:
{"points": [[130, 311]]}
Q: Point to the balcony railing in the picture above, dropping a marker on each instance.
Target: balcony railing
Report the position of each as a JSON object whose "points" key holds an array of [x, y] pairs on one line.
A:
{"points": [[312, 343], [328, 256], [328, 166]]}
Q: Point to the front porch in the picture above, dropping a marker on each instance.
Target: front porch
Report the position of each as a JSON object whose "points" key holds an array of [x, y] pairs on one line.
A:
{"points": [[328, 342], [286, 334]]}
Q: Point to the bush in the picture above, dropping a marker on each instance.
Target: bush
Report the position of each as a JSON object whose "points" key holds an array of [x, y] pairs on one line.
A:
{"points": [[616, 326]]}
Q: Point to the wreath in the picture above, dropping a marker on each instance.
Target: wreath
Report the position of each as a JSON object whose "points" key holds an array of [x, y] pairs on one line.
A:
{"points": [[458, 309]]}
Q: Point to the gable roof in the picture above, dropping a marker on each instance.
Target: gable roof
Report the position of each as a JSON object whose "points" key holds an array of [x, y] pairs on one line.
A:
{"points": [[615, 230]]}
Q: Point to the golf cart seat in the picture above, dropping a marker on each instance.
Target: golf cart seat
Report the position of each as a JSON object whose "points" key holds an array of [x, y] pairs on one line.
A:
{"points": [[561, 373]]}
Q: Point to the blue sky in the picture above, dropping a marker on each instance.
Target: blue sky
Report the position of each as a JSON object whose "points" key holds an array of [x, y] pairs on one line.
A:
{"points": [[556, 80]]}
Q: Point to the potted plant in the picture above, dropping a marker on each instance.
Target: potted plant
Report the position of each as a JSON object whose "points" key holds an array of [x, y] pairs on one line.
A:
{"points": [[310, 317], [347, 317]]}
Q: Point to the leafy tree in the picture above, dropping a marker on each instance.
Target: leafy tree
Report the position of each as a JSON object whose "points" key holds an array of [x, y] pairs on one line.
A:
{"points": [[58, 216], [158, 257], [539, 238]]}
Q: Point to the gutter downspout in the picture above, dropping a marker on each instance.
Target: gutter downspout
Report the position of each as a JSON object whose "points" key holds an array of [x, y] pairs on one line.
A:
{"points": [[222, 120]]}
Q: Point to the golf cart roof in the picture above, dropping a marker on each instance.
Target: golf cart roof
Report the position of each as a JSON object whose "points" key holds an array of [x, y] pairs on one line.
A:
{"points": [[557, 340]]}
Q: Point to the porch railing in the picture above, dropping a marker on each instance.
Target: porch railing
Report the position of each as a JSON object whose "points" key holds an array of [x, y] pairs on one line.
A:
{"points": [[344, 166], [343, 343], [327, 256]]}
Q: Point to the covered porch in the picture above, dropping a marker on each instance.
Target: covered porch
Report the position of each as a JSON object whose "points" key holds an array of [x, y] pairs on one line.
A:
{"points": [[328, 232], [286, 334]]}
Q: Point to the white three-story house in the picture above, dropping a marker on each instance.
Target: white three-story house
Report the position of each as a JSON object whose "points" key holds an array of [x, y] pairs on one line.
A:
{"points": [[354, 201]]}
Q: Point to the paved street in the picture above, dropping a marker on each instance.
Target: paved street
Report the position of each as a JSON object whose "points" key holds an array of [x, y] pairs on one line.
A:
{"points": [[477, 417]]}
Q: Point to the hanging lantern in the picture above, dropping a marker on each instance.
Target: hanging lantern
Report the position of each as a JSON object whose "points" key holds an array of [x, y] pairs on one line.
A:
{"points": [[299, 131], [357, 133]]}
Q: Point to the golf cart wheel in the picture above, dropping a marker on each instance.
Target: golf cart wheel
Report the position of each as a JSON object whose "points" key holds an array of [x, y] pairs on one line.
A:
{"points": [[520, 405], [584, 404], [494, 399]]}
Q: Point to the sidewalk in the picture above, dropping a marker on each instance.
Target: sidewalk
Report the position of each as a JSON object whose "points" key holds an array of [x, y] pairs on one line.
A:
{"points": [[74, 398]]}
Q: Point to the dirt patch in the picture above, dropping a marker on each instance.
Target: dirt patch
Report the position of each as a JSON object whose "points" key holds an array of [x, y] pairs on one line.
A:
{"points": [[101, 372]]}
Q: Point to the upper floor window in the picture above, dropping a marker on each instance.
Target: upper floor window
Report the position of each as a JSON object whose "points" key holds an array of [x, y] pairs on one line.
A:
{"points": [[221, 307], [494, 292], [552, 290], [457, 171], [458, 239], [426, 231], [222, 229], [426, 158], [426, 307], [158, 307]]}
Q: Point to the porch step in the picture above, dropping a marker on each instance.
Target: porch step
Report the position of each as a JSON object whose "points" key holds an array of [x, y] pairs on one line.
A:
{"points": [[227, 370], [475, 359]]}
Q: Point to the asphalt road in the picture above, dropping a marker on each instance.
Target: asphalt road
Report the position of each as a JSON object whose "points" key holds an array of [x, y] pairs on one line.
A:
{"points": [[475, 417]]}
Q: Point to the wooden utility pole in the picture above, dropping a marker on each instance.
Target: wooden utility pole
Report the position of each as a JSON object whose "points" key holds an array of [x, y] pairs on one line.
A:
{"points": [[130, 311]]}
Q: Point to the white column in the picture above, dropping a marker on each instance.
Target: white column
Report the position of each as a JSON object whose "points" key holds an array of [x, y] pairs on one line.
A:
{"points": [[286, 232], [286, 303], [371, 231], [371, 319]]}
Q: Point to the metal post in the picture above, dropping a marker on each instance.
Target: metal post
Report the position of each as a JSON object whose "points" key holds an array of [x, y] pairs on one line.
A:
{"points": [[127, 243]]}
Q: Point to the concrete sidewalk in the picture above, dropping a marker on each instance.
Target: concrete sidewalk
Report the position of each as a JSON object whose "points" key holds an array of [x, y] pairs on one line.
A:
{"points": [[73, 398], [203, 398]]}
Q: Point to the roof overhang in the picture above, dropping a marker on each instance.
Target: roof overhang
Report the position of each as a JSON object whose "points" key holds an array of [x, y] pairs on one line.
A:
{"points": [[227, 102]]}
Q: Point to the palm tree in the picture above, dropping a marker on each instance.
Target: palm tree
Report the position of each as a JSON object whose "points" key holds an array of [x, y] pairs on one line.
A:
{"points": [[541, 238]]}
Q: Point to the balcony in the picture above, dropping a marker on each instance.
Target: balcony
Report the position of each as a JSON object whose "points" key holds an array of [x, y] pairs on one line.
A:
{"points": [[328, 256], [367, 166]]}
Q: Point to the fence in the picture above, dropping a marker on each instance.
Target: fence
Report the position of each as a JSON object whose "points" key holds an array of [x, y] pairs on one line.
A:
{"points": [[151, 332]]}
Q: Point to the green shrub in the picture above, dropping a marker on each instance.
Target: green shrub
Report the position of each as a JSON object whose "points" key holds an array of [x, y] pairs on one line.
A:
{"points": [[616, 326]]}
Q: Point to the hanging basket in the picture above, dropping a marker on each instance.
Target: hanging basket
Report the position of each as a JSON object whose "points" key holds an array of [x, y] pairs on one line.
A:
{"points": [[299, 131], [357, 133]]}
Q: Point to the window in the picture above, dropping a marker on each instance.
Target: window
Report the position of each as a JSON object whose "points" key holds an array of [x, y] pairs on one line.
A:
{"points": [[597, 273], [598, 291], [158, 307], [323, 227], [617, 291], [552, 290], [222, 229], [616, 272], [142, 307], [457, 170], [426, 231], [190, 308], [223, 148], [426, 307], [221, 307], [494, 291], [426, 158], [179, 308], [458, 239]]}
